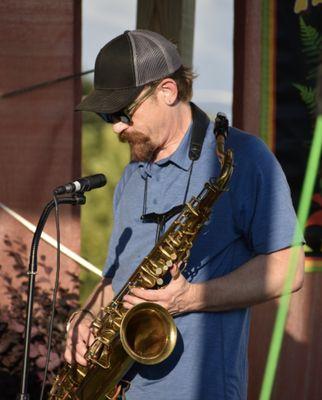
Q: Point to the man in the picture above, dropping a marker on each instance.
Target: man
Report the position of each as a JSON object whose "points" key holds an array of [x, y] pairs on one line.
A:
{"points": [[240, 257]]}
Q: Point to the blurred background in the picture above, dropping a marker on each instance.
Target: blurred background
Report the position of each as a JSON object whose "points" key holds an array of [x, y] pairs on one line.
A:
{"points": [[256, 60]]}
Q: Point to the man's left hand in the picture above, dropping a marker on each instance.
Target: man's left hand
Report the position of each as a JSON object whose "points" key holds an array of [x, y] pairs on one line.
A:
{"points": [[175, 297]]}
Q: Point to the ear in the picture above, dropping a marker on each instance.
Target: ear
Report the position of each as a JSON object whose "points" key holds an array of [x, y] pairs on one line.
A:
{"points": [[169, 91]]}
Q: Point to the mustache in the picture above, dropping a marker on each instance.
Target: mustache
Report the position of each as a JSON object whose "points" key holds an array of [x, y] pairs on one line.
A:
{"points": [[133, 137]]}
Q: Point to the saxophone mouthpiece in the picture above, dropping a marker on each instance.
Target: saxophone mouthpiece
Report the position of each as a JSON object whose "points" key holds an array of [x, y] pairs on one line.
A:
{"points": [[221, 125]]}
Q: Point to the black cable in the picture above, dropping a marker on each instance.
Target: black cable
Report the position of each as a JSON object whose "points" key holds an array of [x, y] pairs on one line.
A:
{"points": [[53, 307], [43, 84]]}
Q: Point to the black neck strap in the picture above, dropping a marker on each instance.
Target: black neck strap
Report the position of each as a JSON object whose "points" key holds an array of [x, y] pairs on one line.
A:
{"points": [[199, 128], [200, 122]]}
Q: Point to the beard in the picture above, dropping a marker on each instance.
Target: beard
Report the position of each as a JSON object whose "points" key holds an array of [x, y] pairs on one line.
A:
{"points": [[141, 146]]}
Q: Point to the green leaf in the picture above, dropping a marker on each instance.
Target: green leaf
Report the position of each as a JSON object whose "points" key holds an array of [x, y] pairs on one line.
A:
{"points": [[101, 153], [311, 40], [308, 96]]}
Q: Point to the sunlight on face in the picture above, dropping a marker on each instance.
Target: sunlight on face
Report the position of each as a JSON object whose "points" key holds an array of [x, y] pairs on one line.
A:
{"points": [[143, 145]]}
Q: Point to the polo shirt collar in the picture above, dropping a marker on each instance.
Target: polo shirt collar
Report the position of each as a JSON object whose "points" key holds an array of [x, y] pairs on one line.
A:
{"points": [[179, 158]]}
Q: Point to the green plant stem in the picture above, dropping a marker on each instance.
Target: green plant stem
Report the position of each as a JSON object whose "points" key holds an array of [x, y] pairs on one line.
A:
{"points": [[306, 195]]}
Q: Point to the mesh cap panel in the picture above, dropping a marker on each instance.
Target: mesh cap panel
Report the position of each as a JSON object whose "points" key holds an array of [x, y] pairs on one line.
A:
{"points": [[154, 56], [125, 65]]}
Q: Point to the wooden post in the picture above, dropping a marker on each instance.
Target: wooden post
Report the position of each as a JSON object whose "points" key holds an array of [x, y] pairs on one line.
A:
{"points": [[246, 105], [172, 19]]}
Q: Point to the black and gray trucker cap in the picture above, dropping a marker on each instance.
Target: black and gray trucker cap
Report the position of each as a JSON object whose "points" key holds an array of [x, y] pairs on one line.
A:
{"points": [[125, 65]]}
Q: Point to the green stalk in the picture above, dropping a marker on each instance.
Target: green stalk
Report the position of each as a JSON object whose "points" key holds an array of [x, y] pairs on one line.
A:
{"points": [[303, 211]]}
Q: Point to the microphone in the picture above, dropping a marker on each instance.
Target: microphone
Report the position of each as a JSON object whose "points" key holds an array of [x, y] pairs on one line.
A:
{"points": [[82, 184]]}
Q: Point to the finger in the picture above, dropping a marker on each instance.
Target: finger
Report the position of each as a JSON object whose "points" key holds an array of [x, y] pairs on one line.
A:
{"points": [[175, 271], [133, 300], [75, 353], [81, 328], [87, 336], [91, 339], [80, 336], [146, 294], [127, 305], [79, 359], [78, 341]]}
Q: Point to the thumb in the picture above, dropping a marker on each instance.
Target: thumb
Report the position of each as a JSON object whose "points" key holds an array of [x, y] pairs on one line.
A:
{"points": [[175, 271]]}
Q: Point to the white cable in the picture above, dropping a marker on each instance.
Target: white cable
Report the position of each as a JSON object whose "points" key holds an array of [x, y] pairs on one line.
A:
{"points": [[47, 238]]}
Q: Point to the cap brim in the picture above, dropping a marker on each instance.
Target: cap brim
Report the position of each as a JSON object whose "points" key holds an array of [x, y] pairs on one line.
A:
{"points": [[108, 100]]}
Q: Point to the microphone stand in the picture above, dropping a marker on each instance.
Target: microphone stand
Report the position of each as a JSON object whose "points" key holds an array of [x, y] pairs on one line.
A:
{"points": [[76, 199]]}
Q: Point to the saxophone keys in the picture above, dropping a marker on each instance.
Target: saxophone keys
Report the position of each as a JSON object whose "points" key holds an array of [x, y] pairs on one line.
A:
{"points": [[160, 281], [148, 280], [158, 271], [94, 351], [173, 240], [172, 256], [96, 324], [81, 371], [116, 324]]}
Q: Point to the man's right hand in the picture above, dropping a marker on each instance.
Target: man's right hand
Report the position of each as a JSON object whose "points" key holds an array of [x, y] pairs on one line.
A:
{"points": [[79, 338]]}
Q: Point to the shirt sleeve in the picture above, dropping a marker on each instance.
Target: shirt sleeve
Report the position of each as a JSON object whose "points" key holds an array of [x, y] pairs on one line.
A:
{"points": [[110, 267], [266, 215]]}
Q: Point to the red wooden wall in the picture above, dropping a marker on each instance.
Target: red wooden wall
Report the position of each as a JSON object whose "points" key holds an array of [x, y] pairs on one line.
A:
{"points": [[39, 130]]}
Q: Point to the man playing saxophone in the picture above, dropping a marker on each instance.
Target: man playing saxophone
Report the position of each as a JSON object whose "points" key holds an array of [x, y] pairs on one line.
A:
{"points": [[241, 255]]}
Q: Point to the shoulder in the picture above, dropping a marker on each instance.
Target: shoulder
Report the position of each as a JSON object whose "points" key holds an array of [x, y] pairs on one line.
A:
{"points": [[239, 141], [242, 141], [251, 155], [127, 173], [250, 151], [255, 165]]}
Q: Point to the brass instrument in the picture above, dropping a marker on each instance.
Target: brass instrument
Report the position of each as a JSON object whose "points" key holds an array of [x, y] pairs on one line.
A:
{"points": [[146, 333]]}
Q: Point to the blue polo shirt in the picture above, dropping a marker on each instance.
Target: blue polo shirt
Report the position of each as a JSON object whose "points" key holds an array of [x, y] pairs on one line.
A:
{"points": [[254, 217]]}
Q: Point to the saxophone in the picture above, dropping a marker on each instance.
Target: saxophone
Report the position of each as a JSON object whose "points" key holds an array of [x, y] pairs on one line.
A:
{"points": [[146, 333]]}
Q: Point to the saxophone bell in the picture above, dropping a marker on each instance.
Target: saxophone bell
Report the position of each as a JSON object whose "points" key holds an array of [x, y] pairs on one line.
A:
{"points": [[148, 333]]}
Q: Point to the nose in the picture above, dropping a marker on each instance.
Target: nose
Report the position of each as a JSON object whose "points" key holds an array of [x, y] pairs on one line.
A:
{"points": [[119, 127]]}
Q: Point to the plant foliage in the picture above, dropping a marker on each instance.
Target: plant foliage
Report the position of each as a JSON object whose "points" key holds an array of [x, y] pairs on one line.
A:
{"points": [[308, 95], [12, 322], [311, 41], [312, 46], [101, 153]]}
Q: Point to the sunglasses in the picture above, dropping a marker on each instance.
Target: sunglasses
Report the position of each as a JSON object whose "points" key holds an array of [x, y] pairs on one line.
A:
{"points": [[125, 115]]}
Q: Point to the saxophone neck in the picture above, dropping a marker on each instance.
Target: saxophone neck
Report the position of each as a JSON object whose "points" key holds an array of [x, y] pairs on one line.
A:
{"points": [[225, 157], [221, 132]]}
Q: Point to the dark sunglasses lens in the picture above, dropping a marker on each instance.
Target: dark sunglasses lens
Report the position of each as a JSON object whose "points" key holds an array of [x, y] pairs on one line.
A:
{"points": [[114, 118], [106, 117], [124, 118]]}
